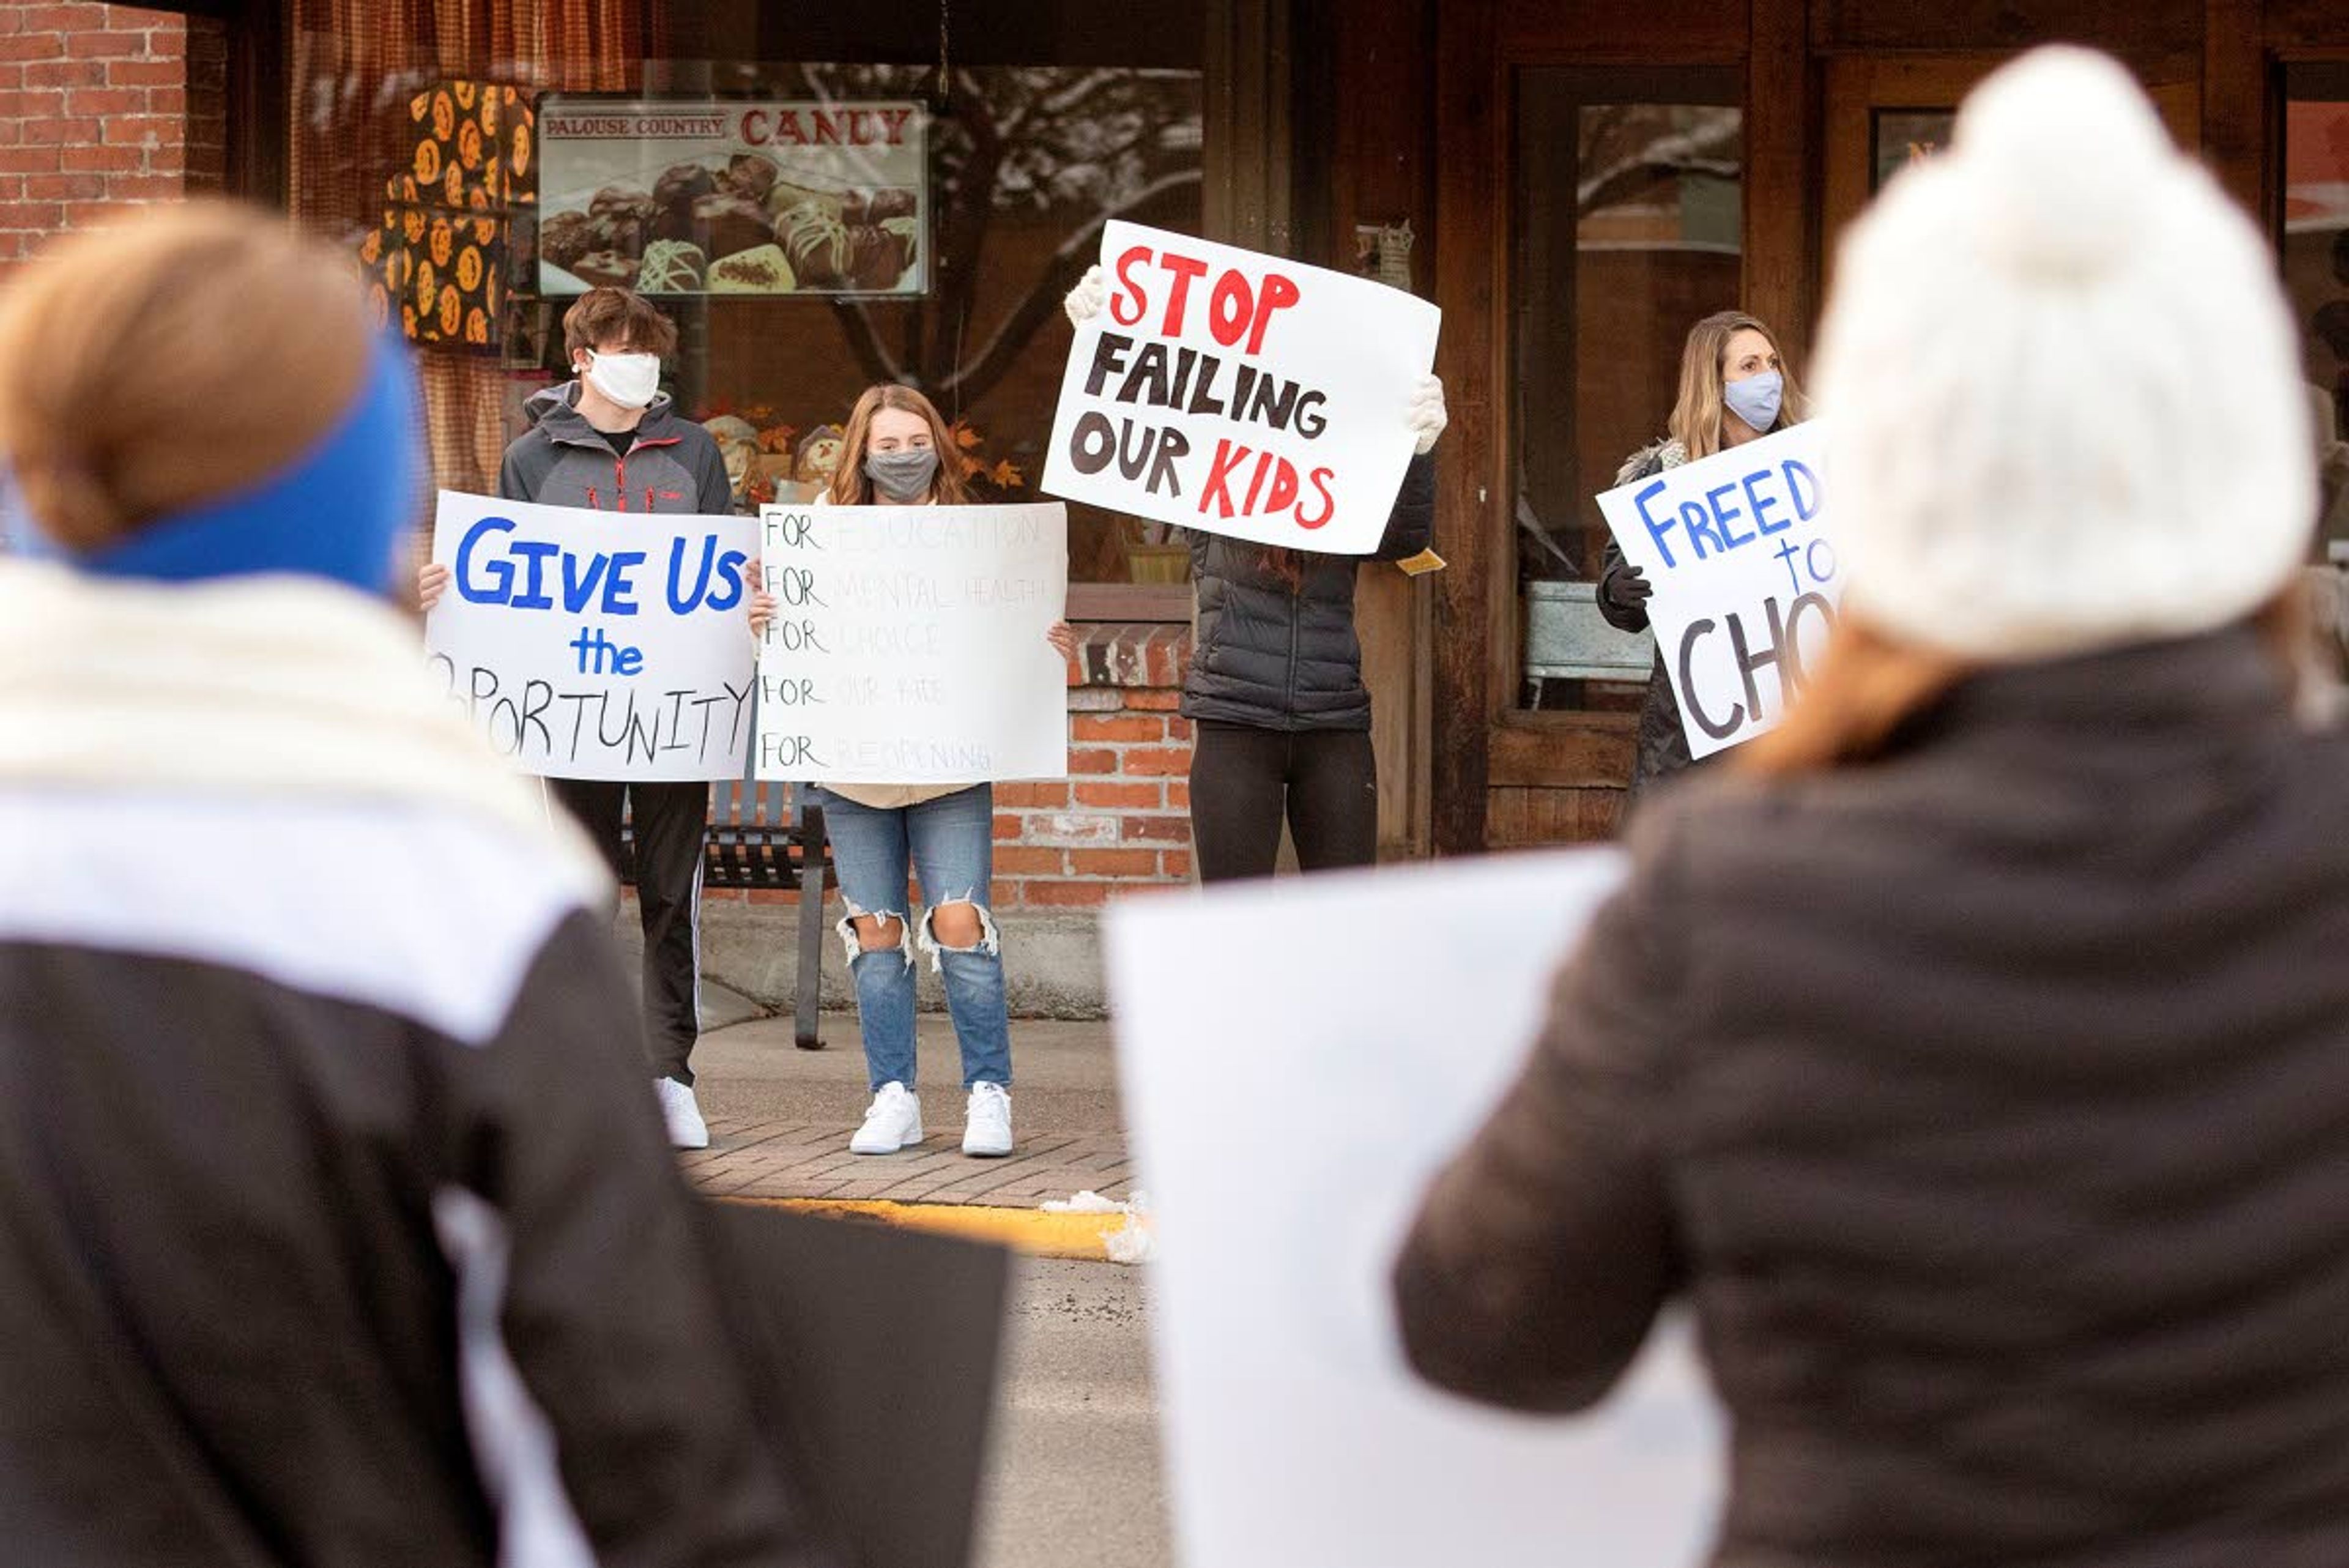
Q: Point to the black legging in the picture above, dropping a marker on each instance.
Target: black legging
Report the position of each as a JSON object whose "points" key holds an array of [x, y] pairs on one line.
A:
{"points": [[1244, 778]]}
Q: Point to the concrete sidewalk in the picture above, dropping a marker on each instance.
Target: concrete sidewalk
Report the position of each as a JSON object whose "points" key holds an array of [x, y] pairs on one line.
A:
{"points": [[779, 1120]]}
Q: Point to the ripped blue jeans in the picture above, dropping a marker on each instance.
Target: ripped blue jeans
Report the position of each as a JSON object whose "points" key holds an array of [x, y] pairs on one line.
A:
{"points": [[949, 845]]}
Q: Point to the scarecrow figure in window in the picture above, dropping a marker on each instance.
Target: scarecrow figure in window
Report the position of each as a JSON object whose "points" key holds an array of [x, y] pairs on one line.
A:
{"points": [[813, 461]]}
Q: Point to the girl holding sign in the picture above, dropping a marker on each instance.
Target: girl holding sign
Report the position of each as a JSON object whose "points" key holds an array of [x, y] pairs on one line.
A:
{"points": [[1735, 386], [1275, 687], [896, 452]]}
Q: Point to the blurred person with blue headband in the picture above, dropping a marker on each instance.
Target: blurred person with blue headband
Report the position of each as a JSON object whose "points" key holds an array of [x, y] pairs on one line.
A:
{"points": [[336, 1224]]}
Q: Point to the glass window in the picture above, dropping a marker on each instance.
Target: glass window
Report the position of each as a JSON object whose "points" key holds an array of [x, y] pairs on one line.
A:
{"points": [[903, 193], [1628, 223], [2314, 244]]}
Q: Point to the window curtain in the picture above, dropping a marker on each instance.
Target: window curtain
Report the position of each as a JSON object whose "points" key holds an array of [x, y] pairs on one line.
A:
{"points": [[357, 66]]}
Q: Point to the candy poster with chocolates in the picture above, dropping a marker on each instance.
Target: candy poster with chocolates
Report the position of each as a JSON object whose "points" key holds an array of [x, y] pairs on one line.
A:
{"points": [[732, 196]]}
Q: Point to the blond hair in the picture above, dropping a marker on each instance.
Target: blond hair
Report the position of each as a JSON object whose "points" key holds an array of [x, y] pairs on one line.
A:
{"points": [[849, 487], [1697, 412], [168, 360]]}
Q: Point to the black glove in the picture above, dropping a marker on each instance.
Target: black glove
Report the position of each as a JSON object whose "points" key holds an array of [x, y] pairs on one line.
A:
{"points": [[1628, 588]]}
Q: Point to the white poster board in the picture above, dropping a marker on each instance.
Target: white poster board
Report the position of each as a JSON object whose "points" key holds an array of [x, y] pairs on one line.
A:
{"points": [[1240, 394], [733, 196], [1284, 1131], [596, 645], [1737, 548], [909, 644]]}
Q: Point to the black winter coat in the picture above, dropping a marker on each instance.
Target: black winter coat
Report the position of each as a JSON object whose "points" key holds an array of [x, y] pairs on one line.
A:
{"points": [[1286, 658], [1663, 748], [1991, 1105]]}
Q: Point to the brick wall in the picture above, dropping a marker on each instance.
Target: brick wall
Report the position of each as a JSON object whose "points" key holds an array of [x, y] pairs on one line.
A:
{"points": [[1123, 819], [103, 106]]}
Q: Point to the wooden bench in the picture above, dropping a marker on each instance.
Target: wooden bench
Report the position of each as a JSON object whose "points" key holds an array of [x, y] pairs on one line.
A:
{"points": [[768, 836]]}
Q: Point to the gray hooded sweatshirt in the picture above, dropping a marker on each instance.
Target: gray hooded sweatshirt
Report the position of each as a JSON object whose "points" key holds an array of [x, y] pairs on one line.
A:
{"points": [[563, 460]]}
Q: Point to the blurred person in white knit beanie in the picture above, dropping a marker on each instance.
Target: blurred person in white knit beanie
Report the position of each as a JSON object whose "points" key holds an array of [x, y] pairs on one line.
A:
{"points": [[1973, 1053], [2065, 406]]}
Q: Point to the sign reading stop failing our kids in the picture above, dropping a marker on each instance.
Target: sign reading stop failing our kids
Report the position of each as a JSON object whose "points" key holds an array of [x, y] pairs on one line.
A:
{"points": [[1240, 394], [910, 644], [595, 645], [1737, 547], [728, 196]]}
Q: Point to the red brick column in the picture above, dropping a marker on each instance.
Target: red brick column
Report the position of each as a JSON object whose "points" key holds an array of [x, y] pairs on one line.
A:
{"points": [[1123, 820], [94, 116]]}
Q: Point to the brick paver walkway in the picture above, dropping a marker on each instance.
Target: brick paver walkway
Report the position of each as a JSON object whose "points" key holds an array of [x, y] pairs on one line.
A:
{"points": [[803, 1159]]}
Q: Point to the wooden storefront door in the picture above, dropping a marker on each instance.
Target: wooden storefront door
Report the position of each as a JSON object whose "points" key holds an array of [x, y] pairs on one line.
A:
{"points": [[1608, 175]]}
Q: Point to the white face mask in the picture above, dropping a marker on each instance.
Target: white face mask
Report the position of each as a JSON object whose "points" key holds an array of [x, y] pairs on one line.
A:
{"points": [[628, 380]]}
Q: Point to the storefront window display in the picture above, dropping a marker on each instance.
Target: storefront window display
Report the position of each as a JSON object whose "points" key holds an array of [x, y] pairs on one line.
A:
{"points": [[813, 224]]}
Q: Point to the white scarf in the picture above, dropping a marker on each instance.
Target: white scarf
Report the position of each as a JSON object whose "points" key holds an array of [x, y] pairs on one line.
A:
{"points": [[250, 686]]}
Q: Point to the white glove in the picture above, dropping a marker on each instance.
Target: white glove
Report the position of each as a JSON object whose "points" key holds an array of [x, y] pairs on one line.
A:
{"points": [[1426, 417], [1089, 298]]}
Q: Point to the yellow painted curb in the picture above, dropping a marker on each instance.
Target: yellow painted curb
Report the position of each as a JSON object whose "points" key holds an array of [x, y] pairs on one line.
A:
{"points": [[1029, 1230]]}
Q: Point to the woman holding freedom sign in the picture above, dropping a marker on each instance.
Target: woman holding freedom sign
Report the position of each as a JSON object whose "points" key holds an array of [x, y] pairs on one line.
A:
{"points": [[1735, 386], [1275, 688], [896, 452]]}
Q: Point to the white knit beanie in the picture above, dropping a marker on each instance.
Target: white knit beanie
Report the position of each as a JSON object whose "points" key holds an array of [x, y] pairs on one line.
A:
{"points": [[2065, 394]]}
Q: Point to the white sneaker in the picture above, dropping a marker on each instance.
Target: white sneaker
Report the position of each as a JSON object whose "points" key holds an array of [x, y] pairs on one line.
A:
{"points": [[894, 1121], [987, 1123], [683, 1114]]}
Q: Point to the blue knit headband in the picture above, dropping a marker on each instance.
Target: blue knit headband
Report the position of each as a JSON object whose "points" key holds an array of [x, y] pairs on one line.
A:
{"points": [[340, 511]]}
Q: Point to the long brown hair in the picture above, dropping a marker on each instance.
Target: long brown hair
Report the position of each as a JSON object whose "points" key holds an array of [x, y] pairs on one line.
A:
{"points": [[1869, 683], [168, 360], [1697, 412], [849, 486]]}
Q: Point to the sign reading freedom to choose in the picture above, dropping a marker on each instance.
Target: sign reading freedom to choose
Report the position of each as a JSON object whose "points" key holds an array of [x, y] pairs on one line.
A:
{"points": [[1745, 587], [910, 644], [1240, 394], [596, 645]]}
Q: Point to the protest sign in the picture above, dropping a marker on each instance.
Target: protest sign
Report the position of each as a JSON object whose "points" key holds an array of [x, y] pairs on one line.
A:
{"points": [[596, 645], [909, 644], [1240, 394], [1294, 1431], [732, 196], [1737, 548]]}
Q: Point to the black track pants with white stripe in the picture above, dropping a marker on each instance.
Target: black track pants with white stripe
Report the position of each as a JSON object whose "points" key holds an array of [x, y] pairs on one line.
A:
{"points": [[669, 821]]}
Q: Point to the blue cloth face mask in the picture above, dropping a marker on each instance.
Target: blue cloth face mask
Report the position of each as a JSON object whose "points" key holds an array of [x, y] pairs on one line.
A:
{"points": [[340, 510], [1755, 398]]}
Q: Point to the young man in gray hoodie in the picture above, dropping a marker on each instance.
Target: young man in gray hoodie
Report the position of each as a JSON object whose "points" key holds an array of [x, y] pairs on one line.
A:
{"points": [[611, 440]]}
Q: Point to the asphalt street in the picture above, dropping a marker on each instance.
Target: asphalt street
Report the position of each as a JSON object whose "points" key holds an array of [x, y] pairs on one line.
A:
{"points": [[1073, 1477]]}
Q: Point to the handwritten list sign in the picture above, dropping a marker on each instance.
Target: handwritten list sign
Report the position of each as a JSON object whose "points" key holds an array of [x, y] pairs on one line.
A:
{"points": [[909, 644], [596, 645], [1240, 394]]}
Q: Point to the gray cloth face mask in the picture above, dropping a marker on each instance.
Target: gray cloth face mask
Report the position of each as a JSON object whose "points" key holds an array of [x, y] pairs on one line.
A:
{"points": [[903, 476]]}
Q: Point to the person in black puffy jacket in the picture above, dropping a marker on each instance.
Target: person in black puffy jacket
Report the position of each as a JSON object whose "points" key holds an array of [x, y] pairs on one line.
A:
{"points": [[1275, 688], [1735, 386]]}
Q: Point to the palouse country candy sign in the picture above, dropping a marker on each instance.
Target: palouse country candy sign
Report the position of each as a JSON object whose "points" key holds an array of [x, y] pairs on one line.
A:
{"points": [[732, 197], [1240, 394]]}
